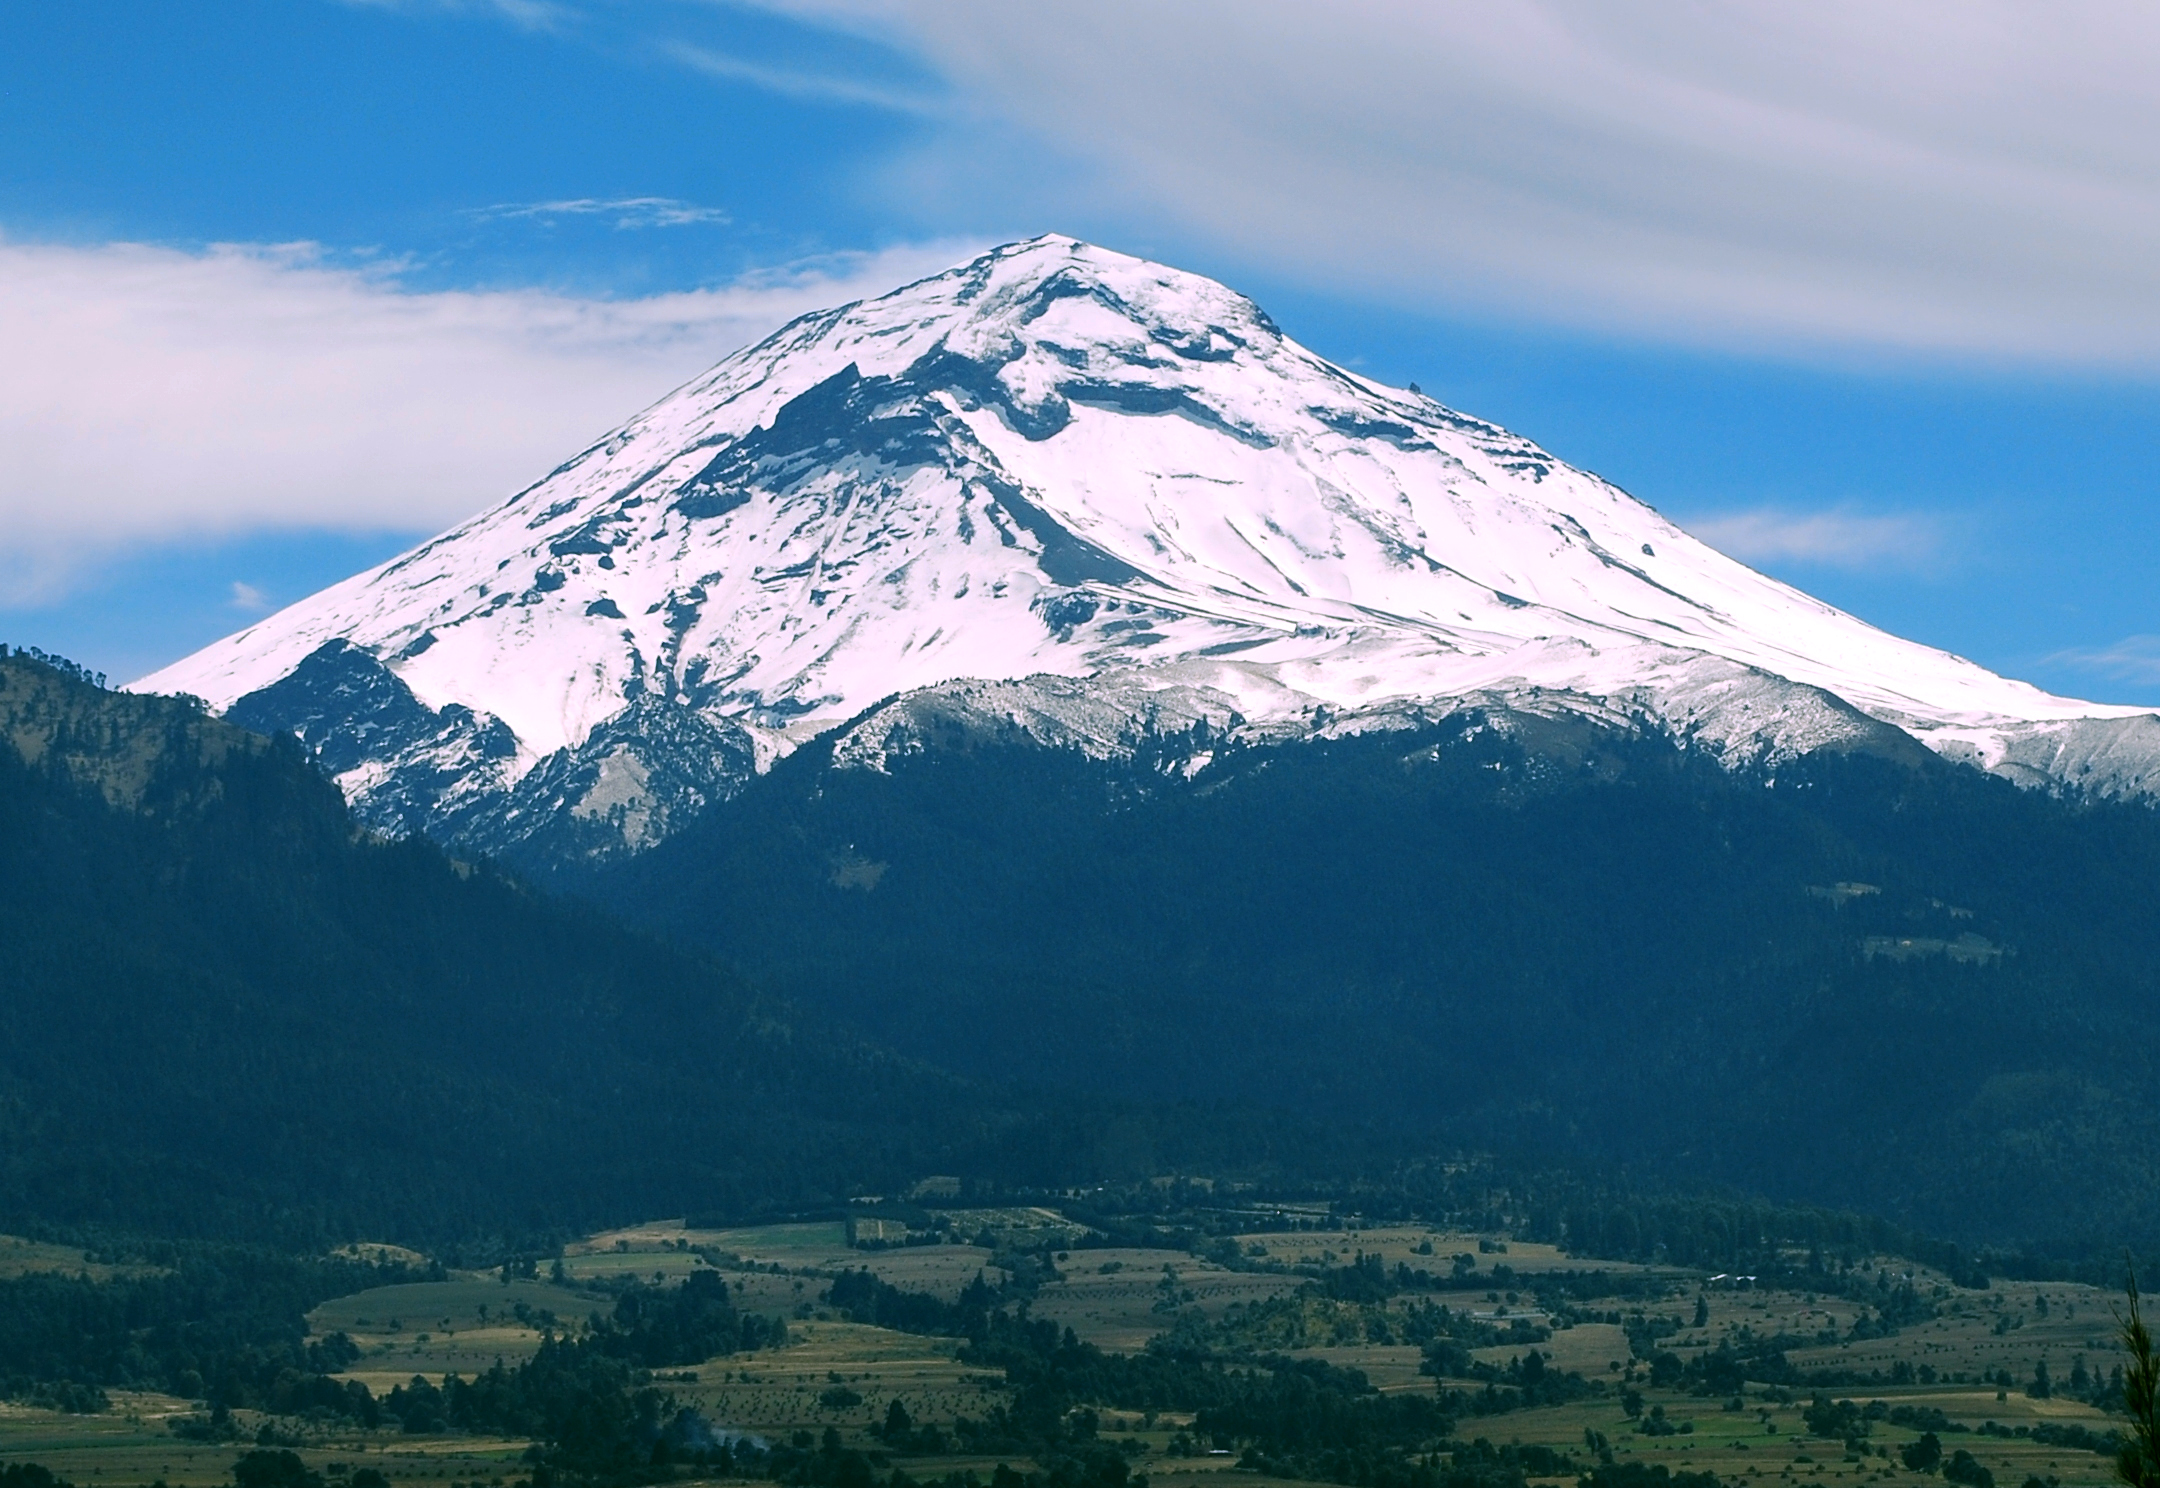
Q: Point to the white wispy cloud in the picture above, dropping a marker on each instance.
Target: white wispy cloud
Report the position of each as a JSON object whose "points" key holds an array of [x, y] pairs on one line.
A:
{"points": [[247, 598], [1972, 178], [1836, 538], [529, 15], [2132, 659], [815, 87], [628, 211], [1968, 177], [150, 393]]}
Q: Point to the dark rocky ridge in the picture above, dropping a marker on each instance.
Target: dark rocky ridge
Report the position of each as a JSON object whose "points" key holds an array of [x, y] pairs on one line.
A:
{"points": [[446, 775]]}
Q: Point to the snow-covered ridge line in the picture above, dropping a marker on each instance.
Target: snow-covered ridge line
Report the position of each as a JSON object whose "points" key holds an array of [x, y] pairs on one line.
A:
{"points": [[1058, 461]]}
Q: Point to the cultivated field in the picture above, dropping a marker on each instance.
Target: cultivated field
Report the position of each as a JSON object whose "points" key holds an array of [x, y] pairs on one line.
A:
{"points": [[834, 1373]]}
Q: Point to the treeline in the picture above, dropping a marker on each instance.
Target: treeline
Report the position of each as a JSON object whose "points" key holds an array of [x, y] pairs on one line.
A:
{"points": [[600, 1417], [67, 667], [865, 1298], [1313, 1317], [1308, 1418], [591, 1397], [1591, 1216], [1290, 1417], [1724, 1233], [228, 1326], [222, 1324], [653, 1327], [1279, 1405], [590, 1401]]}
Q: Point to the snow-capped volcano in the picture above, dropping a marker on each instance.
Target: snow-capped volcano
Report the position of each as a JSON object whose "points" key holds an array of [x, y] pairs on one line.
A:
{"points": [[1059, 462]]}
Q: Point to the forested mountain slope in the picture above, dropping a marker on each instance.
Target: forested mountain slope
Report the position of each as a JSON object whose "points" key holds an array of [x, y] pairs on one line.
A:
{"points": [[1871, 978], [228, 1010], [224, 1009]]}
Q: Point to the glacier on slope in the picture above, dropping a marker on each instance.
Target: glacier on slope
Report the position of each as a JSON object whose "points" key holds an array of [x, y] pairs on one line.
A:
{"points": [[1082, 494]]}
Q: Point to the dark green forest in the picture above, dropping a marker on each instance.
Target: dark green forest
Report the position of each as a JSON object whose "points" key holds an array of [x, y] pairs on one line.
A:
{"points": [[1893, 984], [1597, 965], [226, 1012], [1601, 966], [222, 1009]]}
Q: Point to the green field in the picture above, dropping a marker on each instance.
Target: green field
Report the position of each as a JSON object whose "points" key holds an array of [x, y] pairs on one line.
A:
{"points": [[834, 1373]]}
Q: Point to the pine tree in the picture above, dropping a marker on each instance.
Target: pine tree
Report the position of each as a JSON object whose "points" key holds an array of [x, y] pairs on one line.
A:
{"points": [[2138, 1464]]}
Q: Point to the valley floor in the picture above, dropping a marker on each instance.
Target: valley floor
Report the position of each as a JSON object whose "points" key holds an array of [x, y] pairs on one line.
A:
{"points": [[1968, 1369]]}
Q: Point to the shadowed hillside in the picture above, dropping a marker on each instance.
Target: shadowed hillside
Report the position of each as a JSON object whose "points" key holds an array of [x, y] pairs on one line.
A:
{"points": [[1900, 985], [225, 1005]]}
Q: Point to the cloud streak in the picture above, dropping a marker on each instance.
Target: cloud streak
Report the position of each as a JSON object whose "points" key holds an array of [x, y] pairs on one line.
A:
{"points": [[1962, 177], [2132, 659], [1840, 538], [527, 15], [151, 394], [810, 87], [629, 212]]}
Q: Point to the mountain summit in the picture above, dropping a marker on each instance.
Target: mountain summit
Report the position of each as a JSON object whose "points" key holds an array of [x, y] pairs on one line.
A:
{"points": [[1084, 496]]}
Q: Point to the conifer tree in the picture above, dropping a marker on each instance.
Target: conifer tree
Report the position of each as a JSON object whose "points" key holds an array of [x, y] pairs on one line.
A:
{"points": [[2138, 1463]]}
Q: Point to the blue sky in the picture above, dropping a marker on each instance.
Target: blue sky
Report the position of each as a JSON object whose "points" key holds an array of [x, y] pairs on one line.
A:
{"points": [[296, 283]]}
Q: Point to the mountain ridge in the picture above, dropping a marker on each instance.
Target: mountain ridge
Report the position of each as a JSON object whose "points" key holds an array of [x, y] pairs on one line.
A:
{"points": [[1861, 977], [1059, 462]]}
